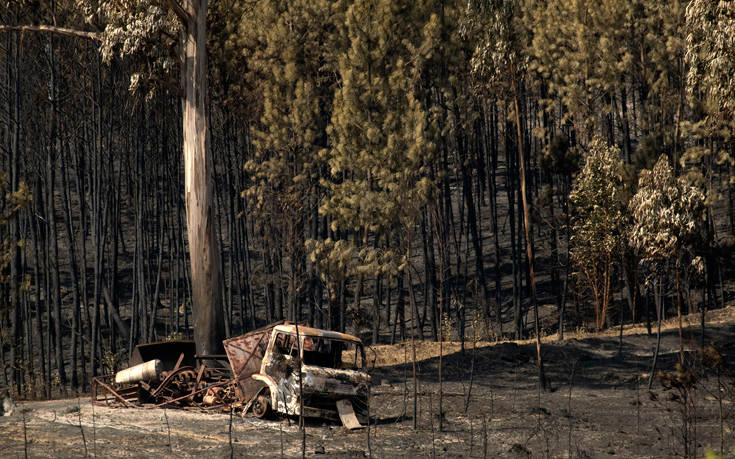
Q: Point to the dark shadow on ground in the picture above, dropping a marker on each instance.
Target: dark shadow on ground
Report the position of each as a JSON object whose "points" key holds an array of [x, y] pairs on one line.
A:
{"points": [[598, 362]]}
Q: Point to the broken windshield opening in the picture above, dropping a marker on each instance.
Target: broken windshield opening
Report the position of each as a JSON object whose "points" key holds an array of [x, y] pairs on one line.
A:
{"points": [[285, 344], [332, 353]]}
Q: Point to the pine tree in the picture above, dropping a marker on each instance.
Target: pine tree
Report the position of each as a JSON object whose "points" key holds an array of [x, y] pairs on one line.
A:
{"points": [[711, 62], [380, 147], [293, 63], [580, 47], [711, 59], [593, 53]]}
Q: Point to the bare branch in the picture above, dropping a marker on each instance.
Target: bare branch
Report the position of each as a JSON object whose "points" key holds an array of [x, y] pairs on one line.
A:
{"points": [[52, 29], [179, 10]]}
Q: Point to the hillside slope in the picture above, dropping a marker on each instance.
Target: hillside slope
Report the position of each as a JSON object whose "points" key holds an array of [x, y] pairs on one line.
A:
{"points": [[598, 406]]}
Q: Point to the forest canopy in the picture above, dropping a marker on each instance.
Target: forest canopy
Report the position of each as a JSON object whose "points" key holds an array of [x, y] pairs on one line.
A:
{"points": [[388, 168]]}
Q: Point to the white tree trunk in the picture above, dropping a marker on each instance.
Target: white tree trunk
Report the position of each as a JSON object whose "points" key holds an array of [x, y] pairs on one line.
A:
{"points": [[204, 249]]}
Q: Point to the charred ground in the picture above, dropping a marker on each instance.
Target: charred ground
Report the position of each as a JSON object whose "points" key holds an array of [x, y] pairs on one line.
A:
{"points": [[598, 406]]}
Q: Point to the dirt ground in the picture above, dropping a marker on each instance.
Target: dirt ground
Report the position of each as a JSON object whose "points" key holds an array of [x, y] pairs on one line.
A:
{"points": [[598, 405]]}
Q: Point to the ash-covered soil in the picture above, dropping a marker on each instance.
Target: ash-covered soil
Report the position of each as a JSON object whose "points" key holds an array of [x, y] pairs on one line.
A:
{"points": [[598, 405]]}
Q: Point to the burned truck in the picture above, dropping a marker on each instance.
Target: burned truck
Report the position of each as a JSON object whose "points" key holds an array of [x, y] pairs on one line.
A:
{"points": [[333, 370], [279, 369]]}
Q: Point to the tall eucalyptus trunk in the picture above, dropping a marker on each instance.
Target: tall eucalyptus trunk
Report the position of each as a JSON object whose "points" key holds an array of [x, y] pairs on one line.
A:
{"points": [[204, 248]]}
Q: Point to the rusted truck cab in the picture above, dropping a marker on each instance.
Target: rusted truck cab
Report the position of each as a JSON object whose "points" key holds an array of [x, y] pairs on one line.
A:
{"points": [[265, 363]]}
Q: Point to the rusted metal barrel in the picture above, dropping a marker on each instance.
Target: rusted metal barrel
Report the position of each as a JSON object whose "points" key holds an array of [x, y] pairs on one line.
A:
{"points": [[142, 372]]}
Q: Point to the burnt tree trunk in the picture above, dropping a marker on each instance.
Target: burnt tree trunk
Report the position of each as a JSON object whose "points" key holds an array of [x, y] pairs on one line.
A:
{"points": [[529, 232]]}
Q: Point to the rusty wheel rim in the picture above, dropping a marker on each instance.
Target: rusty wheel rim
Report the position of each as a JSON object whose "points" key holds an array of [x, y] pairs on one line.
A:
{"points": [[260, 406]]}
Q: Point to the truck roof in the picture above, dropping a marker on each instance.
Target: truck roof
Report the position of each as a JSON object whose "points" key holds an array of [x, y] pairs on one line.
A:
{"points": [[317, 332]]}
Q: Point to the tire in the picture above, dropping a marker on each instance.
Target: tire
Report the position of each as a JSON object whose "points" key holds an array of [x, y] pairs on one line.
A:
{"points": [[262, 405]]}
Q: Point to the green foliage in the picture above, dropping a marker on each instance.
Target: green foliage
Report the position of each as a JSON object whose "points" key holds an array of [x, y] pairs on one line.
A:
{"points": [[293, 63], [709, 53], [337, 109], [600, 221], [500, 40], [144, 33], [599, 199], [668, 214], [381, 144], [559, 157], [711, 56], [589, 50], [579, 48], [294, 46], [11, 202]]}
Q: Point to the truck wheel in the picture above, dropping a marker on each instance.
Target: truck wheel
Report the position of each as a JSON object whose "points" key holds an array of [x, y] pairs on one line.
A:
{"points": [[262, 406]]}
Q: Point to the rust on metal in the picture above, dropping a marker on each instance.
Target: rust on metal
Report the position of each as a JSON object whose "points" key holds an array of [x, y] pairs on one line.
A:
{"points": [[270, 370], [185, 396], [347, 414], [169, 375], [112, 391]]}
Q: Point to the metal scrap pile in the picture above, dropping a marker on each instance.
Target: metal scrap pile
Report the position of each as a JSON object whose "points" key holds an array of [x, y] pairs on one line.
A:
{"points": [[163, 382]]}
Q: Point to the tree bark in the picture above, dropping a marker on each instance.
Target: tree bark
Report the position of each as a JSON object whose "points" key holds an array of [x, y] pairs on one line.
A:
{"points": [[51, 214], [527, 225], [13, 141], [658, 288], [204, 248]]}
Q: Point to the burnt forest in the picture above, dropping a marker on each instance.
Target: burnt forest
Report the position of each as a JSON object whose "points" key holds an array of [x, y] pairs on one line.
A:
{"points": [[515, 217]]}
